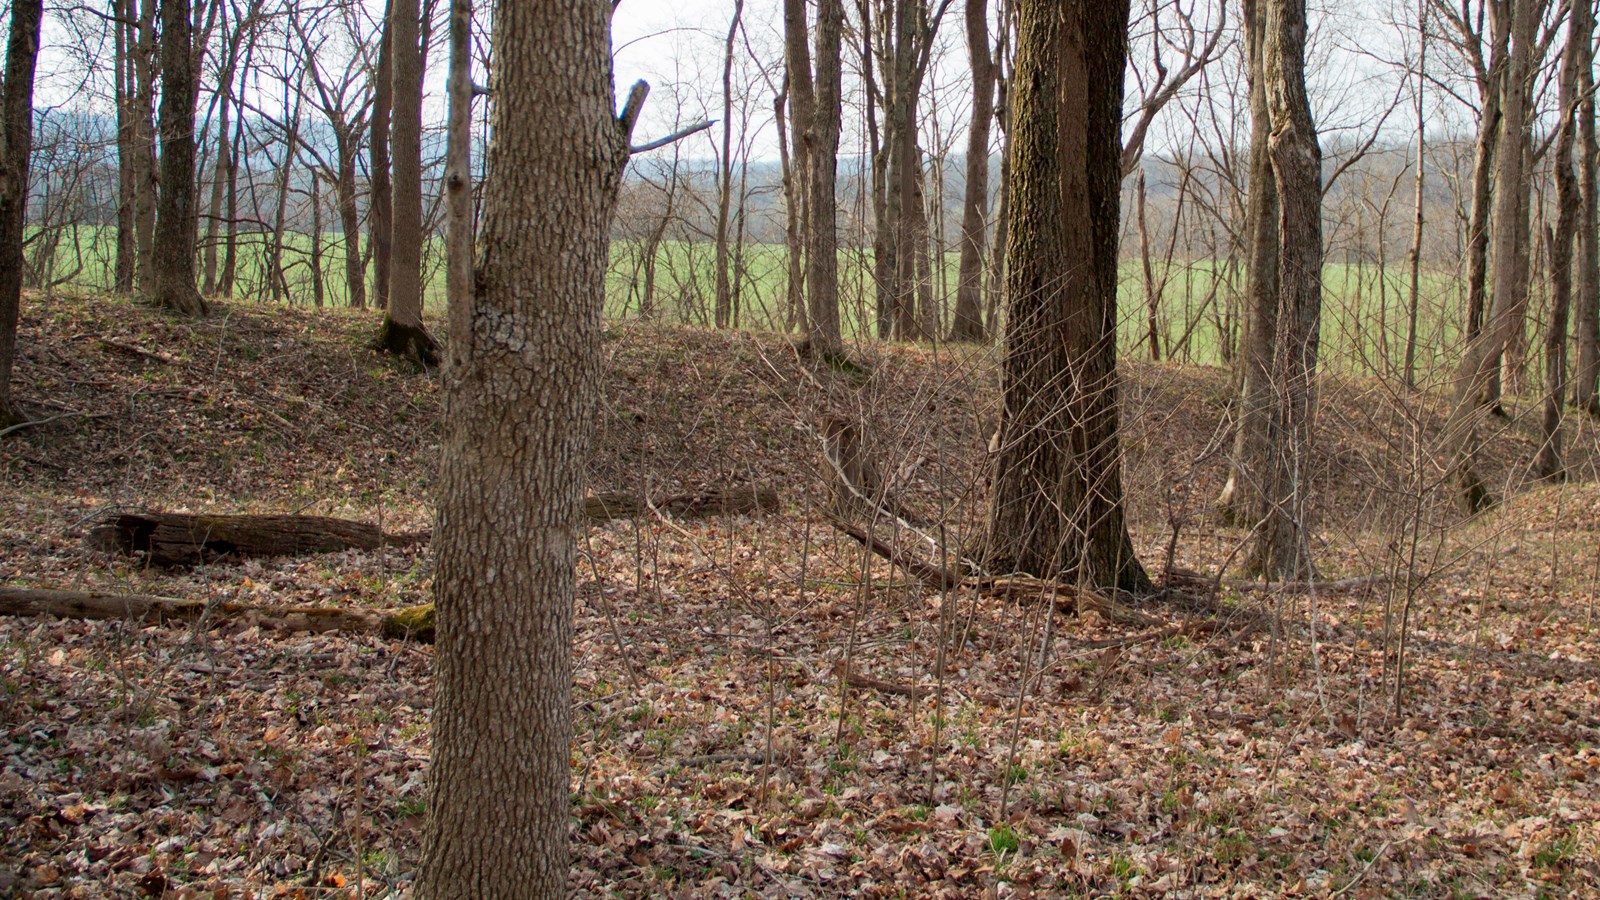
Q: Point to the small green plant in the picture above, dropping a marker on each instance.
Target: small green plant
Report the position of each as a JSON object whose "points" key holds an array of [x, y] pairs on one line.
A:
{"points": [[1555, 851], [1003, 839]]}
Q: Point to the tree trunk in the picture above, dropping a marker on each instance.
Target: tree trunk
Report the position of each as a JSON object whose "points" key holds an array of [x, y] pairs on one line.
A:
{"points": [[1585, 394], [1548, 464], [145, 72], [318, 288], [1414, 258], [402, 333], [815, 120], [724, 298], [175, 287], [219, 184], [793, 220], [1242, 503], [521, 391], [1480, 364], [127, 224], [968, 325], [380, 218], [1491, 88], [230, 242], [355, 276], [16, 142], [1152, 291], [822, 158], [1283, 547], [1057, 505]]}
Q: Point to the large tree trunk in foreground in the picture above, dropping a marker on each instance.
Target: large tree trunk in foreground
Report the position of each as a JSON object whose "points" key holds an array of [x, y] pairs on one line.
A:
{"points": [[1057, 507], [968, 325], [175, 286], [402, 333], [16, 141], [1282, 547], [521, 391]]}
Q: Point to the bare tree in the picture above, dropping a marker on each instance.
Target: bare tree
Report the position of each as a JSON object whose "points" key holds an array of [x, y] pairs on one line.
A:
{"points": [[1481, 361], [724, 300], [1056, 505], [522, 388], [175, 286], [1586, 372], [16, 138], [1569, 207], [402, 332], [381, 217], [968, 324], [815, 115]]}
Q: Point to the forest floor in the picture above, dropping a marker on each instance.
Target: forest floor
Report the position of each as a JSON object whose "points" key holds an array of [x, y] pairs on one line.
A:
{"points": [[1245, 743]]}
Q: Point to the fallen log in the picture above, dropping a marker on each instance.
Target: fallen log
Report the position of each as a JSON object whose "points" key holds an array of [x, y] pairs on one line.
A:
{"points": [[1066, 598], [184, 539], [414, 623], [732, 500]]}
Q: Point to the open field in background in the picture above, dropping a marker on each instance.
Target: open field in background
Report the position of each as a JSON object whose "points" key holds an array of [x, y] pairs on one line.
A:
{"points": [[1364, 316], [1246, 743]]}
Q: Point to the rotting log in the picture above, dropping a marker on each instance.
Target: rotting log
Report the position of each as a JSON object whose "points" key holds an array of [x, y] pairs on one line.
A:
{"points": [[414, 623], [184, 539]]}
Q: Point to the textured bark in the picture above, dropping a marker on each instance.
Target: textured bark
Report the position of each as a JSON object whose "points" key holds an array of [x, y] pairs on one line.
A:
{"points": [[402, 332], [968, 325], [380, 219], [815, 122], [175, 287], [1056, 509], [1242, 500], [1586, 374], [1282, 547], [16, 141], [822, 158], [1480, 364], [1580, 32], [521, 388]]}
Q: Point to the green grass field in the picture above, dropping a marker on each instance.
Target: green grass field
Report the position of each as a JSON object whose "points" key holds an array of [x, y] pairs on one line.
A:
{"points": [[1363, 332]]}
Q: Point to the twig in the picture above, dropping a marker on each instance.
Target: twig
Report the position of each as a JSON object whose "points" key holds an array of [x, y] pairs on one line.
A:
{"points": [[674, 137], [48, 419]]}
